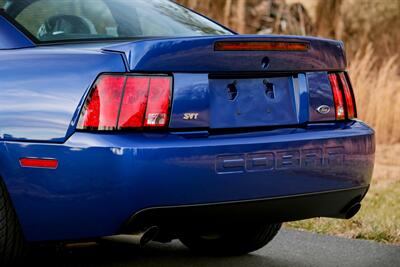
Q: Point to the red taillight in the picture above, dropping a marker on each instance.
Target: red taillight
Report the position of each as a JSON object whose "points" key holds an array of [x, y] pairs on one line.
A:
{"points": [[127, 102], [39, 163], [350, 103], [337, 97], [261, 46], [158, 103], [134, 103], [102, 106], [340, 86]]}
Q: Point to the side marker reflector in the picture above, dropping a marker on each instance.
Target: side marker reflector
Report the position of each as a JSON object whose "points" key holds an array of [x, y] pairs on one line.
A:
{"points": [[38, 163]]}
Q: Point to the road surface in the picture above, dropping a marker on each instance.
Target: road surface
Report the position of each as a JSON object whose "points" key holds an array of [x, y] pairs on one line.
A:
{"points": [[290, 248]]}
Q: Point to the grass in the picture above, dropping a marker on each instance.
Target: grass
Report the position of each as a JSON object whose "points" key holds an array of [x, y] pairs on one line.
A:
{"points": [[379, 218], [377, 90]]}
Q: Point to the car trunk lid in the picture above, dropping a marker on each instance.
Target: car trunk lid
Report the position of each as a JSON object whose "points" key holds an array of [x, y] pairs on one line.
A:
{"points": [[201, 54], [223, 82]]}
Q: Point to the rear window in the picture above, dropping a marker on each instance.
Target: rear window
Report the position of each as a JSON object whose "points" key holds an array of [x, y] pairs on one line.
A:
{"points": [[70, 20]]}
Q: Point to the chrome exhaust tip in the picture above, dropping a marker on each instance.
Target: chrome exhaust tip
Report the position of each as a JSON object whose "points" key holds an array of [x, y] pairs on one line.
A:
{"points": [[141, 238]]}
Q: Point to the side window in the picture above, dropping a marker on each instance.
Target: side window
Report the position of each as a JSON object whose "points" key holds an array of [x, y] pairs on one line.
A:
{"points": [[72, 18]]}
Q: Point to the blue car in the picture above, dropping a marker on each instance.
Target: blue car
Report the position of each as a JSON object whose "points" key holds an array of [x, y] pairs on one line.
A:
{"points": [[144, 118]]}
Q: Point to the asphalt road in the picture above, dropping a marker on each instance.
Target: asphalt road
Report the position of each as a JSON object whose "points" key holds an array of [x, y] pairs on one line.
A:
{"points": [[290, 248]]}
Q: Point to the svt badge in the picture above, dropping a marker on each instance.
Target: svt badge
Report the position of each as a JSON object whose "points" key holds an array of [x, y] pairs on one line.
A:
{"points": [[190, 116]]}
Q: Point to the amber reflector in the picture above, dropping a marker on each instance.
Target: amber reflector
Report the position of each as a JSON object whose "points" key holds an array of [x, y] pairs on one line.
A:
{"points": [[261, 46]]}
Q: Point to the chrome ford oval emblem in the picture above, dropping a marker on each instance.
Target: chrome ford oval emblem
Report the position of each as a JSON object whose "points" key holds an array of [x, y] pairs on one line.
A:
{"points": [[324, 109]]}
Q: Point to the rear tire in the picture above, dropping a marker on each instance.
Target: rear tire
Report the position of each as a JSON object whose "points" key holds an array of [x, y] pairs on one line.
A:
{"points": [[11, 238], [231, 241]]}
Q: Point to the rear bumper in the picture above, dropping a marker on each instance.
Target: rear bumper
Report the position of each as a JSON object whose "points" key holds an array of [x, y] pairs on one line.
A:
{"points": [[103, 179], [334, 204]]}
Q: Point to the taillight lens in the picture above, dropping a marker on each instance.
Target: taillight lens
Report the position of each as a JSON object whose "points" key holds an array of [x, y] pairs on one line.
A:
{"points": [[127, 102], [102, 106], [337, 97], [343, 96], [158, 103], [134, 103], [348, 94]]}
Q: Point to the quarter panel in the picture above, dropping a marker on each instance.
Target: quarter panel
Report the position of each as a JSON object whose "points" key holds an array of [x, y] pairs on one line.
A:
{"points": [[41, 89]]}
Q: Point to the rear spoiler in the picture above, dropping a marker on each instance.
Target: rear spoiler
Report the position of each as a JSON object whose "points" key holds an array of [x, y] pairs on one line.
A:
{"points": [[236, 53], [11, 37]]}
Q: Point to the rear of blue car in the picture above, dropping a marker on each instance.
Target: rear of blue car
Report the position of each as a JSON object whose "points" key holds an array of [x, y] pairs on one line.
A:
{"points": [[215, 140]]}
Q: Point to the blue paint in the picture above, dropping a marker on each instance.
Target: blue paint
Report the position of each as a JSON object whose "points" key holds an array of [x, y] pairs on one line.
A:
{"points": [[107, 177], [252, 107], [191, 95], [54, 101], [42, 89], [11, 37], [196, 54], [303, 98], [320, 92]]}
